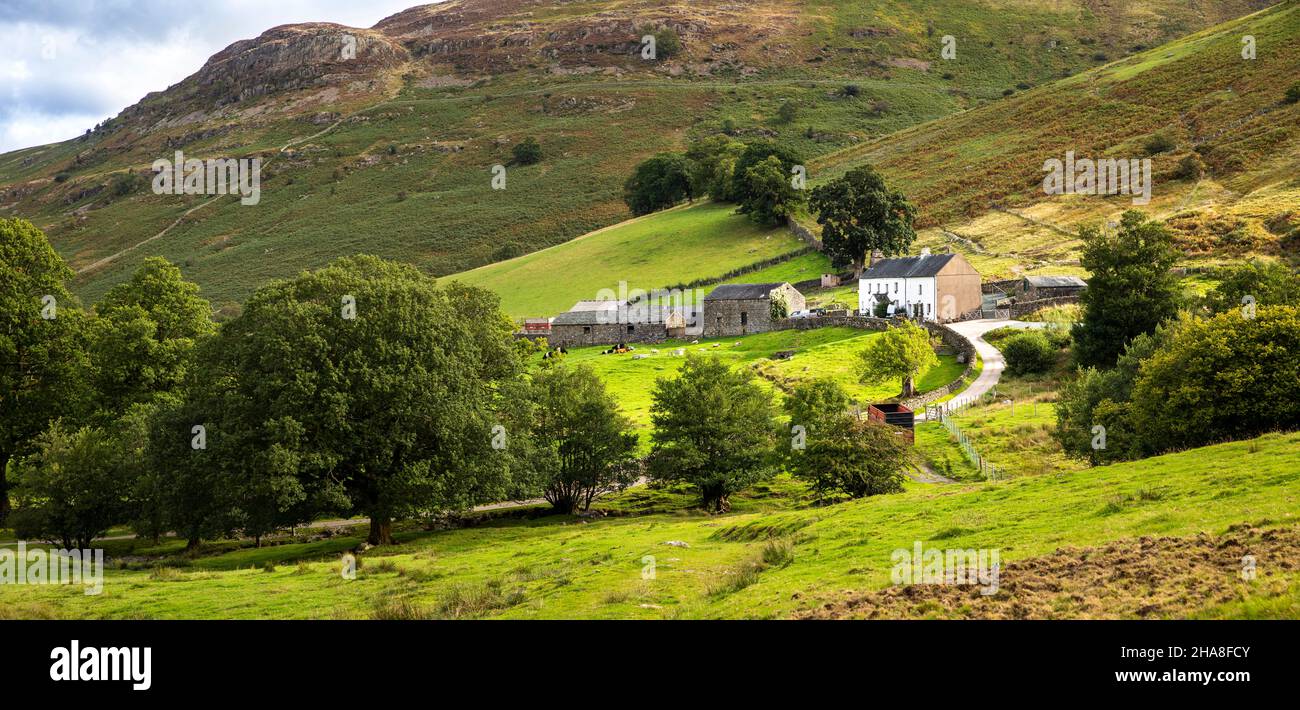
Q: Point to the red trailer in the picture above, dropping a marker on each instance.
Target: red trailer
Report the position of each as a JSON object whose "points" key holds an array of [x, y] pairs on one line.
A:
{"points": [[895, 415]]}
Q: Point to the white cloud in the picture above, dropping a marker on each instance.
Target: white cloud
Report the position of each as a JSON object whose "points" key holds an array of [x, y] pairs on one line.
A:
{"points": [[68, 65]]}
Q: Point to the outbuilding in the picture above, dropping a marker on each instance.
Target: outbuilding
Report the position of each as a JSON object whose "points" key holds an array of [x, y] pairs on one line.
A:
{"points": [[1033, 288], [606, 322], [740, 309]]}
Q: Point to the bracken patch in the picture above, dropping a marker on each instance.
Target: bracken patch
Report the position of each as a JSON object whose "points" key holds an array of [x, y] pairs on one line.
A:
{"points": [[1147, 578]]}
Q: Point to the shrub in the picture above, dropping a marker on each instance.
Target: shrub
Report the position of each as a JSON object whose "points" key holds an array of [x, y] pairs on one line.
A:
{"points": [[667, 41], [1179, 400], [527, 152], [1191, 167], [1058, 335], [1028, 352], [1159, 143], [851, 90], [1293, 93], [124, 184], [788, 112], [852, 457]]}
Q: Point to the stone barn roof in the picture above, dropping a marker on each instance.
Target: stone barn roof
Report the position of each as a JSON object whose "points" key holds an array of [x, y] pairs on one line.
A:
{"points": [[589, 313], [1056, 282], [742, 292]]}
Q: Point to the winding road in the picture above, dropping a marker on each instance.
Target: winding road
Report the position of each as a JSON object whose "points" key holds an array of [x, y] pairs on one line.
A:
{"points": [[994, 363]]}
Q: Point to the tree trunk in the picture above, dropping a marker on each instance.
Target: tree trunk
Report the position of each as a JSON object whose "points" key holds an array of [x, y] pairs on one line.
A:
{"points": [[716, 501], [381, 531], [192, 545], [909, 387], [4, 486], [858, 265]]}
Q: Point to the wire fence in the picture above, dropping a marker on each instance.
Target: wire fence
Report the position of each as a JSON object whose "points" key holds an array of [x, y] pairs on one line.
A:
{"points": [[942, 413]]}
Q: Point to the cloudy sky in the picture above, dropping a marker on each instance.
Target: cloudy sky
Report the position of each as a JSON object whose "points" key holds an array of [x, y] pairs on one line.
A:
{"points": [[66, 65]]}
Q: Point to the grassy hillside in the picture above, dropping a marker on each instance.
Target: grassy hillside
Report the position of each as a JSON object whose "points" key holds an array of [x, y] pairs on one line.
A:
{"points": [[977, 176], [394, 158], [557, 567], [656, 251]]}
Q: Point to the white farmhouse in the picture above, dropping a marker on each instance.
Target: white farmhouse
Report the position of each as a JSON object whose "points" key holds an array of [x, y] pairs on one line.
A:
{"points": [[935, 287]]}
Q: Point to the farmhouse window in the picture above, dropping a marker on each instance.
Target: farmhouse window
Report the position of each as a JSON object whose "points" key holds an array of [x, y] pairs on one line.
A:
{"points": [[744, 318], [586, 330], [631, 328], [895, 287]]}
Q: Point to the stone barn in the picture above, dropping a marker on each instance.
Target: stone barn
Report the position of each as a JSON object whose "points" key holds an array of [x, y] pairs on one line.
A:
{"points": [[605, 323], [740, 309], [1034, 288]]}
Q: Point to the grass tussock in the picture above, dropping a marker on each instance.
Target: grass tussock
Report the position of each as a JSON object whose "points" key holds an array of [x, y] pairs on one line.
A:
{"points": [[775, 554], [401, 609], [471, 601]]}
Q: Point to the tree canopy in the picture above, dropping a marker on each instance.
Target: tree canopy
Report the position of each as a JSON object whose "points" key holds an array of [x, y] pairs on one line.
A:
{"points": [[366, 376], [144, 337], [1131, 288], [42, 343], [715, 428], [769, 195], [860, 214], [658, 183], [901, 353], [580, 445]]}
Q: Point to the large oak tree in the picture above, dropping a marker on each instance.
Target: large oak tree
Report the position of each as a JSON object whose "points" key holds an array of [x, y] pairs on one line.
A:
{"points": [[859, 215], [366, 378]]}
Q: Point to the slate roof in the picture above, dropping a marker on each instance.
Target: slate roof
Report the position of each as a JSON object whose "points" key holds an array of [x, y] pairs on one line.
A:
{"points": [[742, 292], [908, 267], [589, 313], [608, 312], [1056, 281]]}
